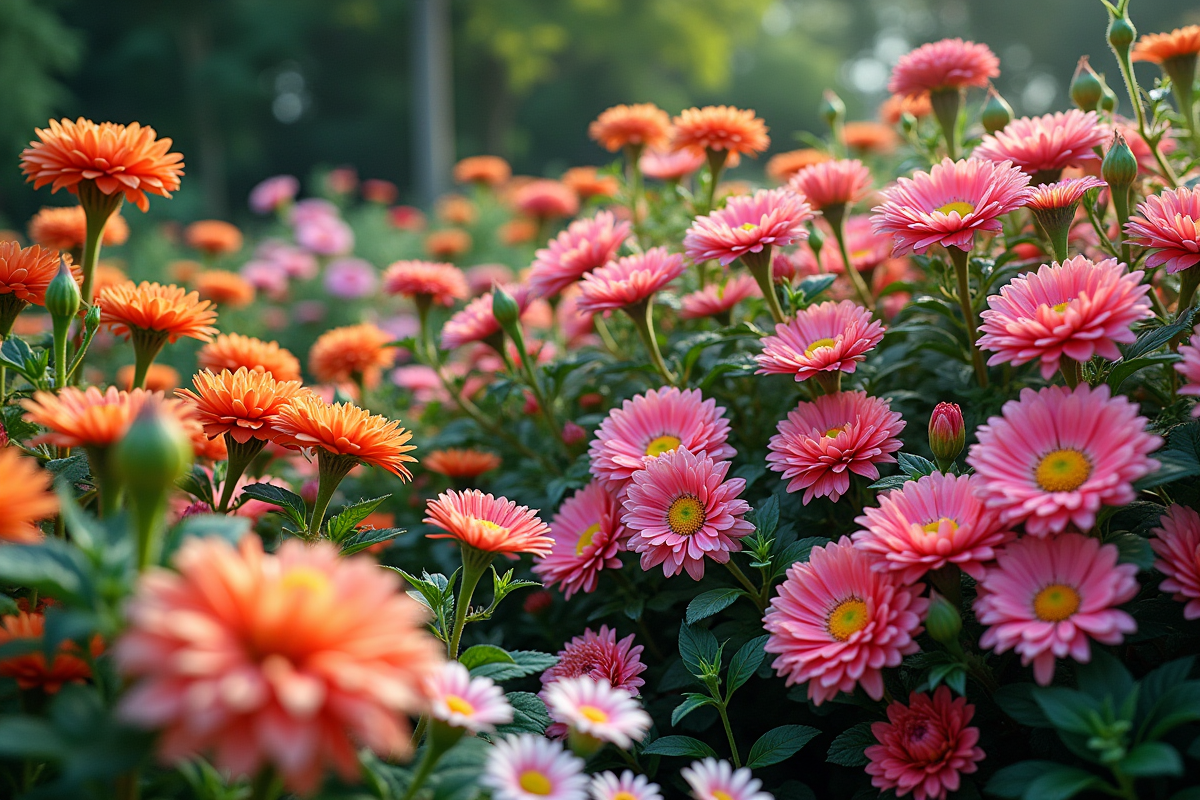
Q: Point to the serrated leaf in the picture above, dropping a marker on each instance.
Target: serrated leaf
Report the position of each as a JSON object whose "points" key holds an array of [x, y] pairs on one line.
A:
{"points": [[697, 645], [481, 654], [1126, 368], [525, 662], [1133, 549], [290, 504], [779, 744], [713, 601], [368, 537], [915, 466], [679, 746], [1172, 466], [73, 469], [814, 285], [691, 702], [889, 482], [198, 483], [766, 517], [1154, 338], [529, 714], [745, 662], [847, 749], [345, 521]]}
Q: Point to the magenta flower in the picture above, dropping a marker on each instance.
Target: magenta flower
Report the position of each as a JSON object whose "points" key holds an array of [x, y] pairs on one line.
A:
{"points": [[629, 280], [718, 298], [587, 534], [600, 656], [1169, 224], [748, 225], [948, 64], [1042, 146], [325, 236], [832, 183], [350, 278], [670, 165], [273, 193], [1189, 368], [586, 245], [824, 338], [1176, 542]]}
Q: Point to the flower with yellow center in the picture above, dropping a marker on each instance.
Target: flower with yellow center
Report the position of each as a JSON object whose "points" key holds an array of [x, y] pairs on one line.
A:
{"points": [[685, 515], [535, 782], [459, 705], [847, 618], [526, 765], [818, 344], [586, 537], [662, 444], [1055, 603], [960, 206], [936, 525], [1062, 471]]}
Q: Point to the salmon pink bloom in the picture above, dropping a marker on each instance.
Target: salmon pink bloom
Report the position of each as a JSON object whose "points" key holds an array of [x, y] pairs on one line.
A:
{"points": [[629, 280], [1189, 368], [924, 746], [718, 299], [720, 129], [831, 184], [1047, 598], [426, 282], [666, 165], [486, 170], [947, 64], [1056, 455], [607, 786], [586, 245], [546, 199], [350, 278], [1169, 224], [311, 209], [600, 656], [325, 236], [528, 767], [1042, 146], [232, 350], [717, 780], [587, 533], [1160, 48], [1176, 542], [835, 622], [477, 705], [353, 353], [488, 523], [782, 166], [25, 497], [461, 463], [892, 110], [65, 228], [639, 125], [824, 338], [476, 323], [748, 226], [1054, 206], [597, 710]]}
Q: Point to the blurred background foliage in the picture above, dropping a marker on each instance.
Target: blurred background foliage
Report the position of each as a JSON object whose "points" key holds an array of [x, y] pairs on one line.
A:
{"points": [[251, 88]]}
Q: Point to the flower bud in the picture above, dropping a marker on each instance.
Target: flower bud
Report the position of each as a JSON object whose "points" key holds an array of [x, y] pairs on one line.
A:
{"points": [[1086, 87], [1121, 34], [832, 109], [1109, 100], [91, 320], [816, 239], [997, 113], [943, 622], [504, 308], [572, 434], [1120, 167], [947, 434], [62, 295]]}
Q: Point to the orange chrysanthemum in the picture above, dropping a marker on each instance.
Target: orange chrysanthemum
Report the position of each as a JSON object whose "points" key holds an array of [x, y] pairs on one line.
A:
{"points": [[24, 495], [159, 378], [640, 125], [489, 170], [167, 310], [586, 182], [782, 166], [30, 669], [456, 210], [130, 159], [356, 352], [213, 236], [25, 273], [84, 418], [184, 270], [224, 288], [242, 404], [897, 105], [107, 274], [232, 350], [65, 227], [517, 231], [869, 137], [720, 128], [1161, 47], [461, 462], [449, 243], [346, 431], [488, 523]]}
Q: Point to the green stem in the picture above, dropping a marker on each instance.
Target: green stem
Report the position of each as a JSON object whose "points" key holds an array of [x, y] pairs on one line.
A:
{"points": [[97, 208], [733, 748], [759, 265], [1120, 201], [946, 104], [128, 786], [1131, 86], [632, 153], [716, 163], [61, 331], [265, 785], [756, 594], [838, 222], [1072, 371], [960, 258], [475, 564], [240, 456], [642, 315], [424, 770], [147, 345], [331, 469]]}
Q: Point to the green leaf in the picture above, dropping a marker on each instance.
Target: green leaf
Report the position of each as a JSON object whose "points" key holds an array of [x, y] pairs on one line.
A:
{"points": [[915, 466], [1179, 705], [344, 523], [745, 662], [73, 469], [1016, 700], [1172, 466], [1104, 676], [1150, 759], [52, 567], [766, 517], [847, 749], [713, 601], [1159, 681], [361, 540], [289, 503], [198, 483], [1154, 338], [1133, 550], [17, 355], [889, 482], [29, 737], [525, 662], [481, 654], [679, 746], [1068, 709], [691, 702], [812, 286], [1040, 780], [1125, 368], [229, 528], [697, 647], [779, 744], [529, 714]]}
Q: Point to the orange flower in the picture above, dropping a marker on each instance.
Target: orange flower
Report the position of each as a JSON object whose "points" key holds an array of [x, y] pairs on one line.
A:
{"points": [[24, 276], [720, 128], [869, 137], [449, 243], [456, 210], [898, 105], [242, 404], [107, 274], [488, 170], [84, 418], [30, 670], [159, 378], [487, 523], [587, 183], [517, 231], [65, 227], [640, 125], [232, 350], [213, 236], [152, 307], [353, 353], [204, 448], [115, 158], [24, 495], [461, 463], [348, 433], [224, 288], [1161, 47], [184, 270], [782, 166]]}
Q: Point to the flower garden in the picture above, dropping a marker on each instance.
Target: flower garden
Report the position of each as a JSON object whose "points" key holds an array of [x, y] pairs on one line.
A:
{"points": [[878, 478]]}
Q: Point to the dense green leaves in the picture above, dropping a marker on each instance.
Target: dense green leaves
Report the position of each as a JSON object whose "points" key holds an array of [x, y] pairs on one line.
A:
{"points": [[847, 749], [779, 744], [679, 746]]}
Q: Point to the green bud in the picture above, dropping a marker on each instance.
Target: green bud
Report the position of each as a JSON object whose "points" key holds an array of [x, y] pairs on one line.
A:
{"points": [[816, 239], [91, 320], [943, 622], [1121, 34], [1086, 87], [997, 113], [62, 295], [505, 308], [1109, 100], [1120, 167], [831, 109]]}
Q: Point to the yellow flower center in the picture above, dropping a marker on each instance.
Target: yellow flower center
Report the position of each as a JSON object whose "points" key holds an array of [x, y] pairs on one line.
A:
{"points": [[817, 345], [593, 713], [719, 795], [933, 527], [622, 796], [748, 226], [535, 782], [1063, 471], [833, 432], [585, 538], [685, 515], [961, 206], [1061, 307], [1055, 603], [847, 618], [662, 444], [857, 254], [458, 705], [307, 579]]}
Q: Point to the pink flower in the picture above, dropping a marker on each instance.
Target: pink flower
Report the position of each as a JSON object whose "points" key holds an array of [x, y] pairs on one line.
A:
{"points": [[1189, 368], [436, 283], [577, 326], [607, 786], [1064, 195], [422, 381], [273, 193], [600, 656], [748, 225], [718, 298], [1076, 309], [717, 780], [835, 622], [487, 523], [629, 280], [586, 245], [948, 204], [325, 236], [925, 746], [546, 199], [1177, 544], [654, 423], [822, 442], [314, 208], [1046, 598], [1056, 455], [1042, 146], [475, 704], [823, 338], [832, 183], [948, 64], [528, 767], [594, 709], [587, 534], [350, 278], [475, 323], [1169, 224], [481, 277], [867, 249], [929, 523], [680, 510], [298, 264], [268, 277], [668, 165]]}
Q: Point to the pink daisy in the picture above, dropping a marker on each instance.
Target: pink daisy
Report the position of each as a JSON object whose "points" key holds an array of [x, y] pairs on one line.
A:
{"points": [[948, 64], [1177, 545], [273, 193], [749, 225], [717, 298], [717, 780], [654, 423], [546, 199], [835, 622], [600, 656], [477, 705], [587, 534], [1042, 146], [948, 204], [828, 337], [925, 746], [670, 165], [1189, 368], [528, 767], [929, 523], [488, 523], [607, 786], [324, 235], [629, 280], [427, 281], [475, 323], [822, 442], [832, 183], [1064, 195], [350, 278], [867, 249], [1076, 309], [596, 710], [1046, 598], [1169, 224], [585, 245], [1056, 455]]}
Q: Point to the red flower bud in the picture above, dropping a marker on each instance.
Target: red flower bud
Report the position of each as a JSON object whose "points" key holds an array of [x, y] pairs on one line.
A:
{"points": [[573, 434], [947, 434], [538, 601]]}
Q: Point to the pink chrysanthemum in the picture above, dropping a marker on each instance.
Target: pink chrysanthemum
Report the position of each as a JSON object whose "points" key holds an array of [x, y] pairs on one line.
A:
{"points": [[595, 709], [1056, 455], [832, 183], [1169, 224], [823, 338], [1042, 146], [586, 245], [600, 656], [1066, 194], [867, 249], [718, 298], [822, 442], [629, 280], [273, 193], [1189, 368], [749, 225], [670, 165], [948, 204], [1177, 544], [835, 622], [587, 534], [1046, 598], [546, 199], [426, 281], [607, 786], [924, 746], [680, 510], [948, 64], [474, 704], [654, 423], [488, 523], [476, 323], [1077, 309], [929, 523], [528, 767], [717, 780]]}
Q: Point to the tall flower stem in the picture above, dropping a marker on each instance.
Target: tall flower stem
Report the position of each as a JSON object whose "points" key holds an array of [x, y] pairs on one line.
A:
{"points": [[759, 265], [147, 345], [716, 163], [960, 259], [97, 208], [733, 748], [633, 152], [642, 314], [1131, 87], [240, 456], [946, 104], [837, 220], [756, 594], [475, 564], [429, 760], [331, 469]]}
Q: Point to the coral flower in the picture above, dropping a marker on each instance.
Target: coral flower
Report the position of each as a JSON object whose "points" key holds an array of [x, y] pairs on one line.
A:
{"points": [[748, 226], [1054, 206], [929, 523], [1055, 456], [455, 209], [869, 137], [586, 245], [476, 323], [274, 193], [587, 533], [1169, 224], [1046, 598], [924, 746], [721, 129], [477, 705], [528, 767], [948, 64], [355, 352], [224, 288], [153, 311], [517, 232], [1042, 146], [1076, 310], [893, 109], [1189, 368], [654, 423], [824, 338], [461, 462], [640, 125], [448, 243], [717, 780], [670, 165], [1160, 48], [159, 378], [426, 282], [1176, 542], [292, 660], [488, 523], [232, 350], [127, 159], [30, 670], [607, 786], [546, 199], [84, 418], [325, 235], [346, 432], [597, 710], [718, 299], [948, 204], [830, 184], [243, 405], [601, 656], [822, 442], [25, 496], [375, 190], [487, 170], [629, 280], [587, 182], [836, 622], [782, 166], [213, 236], [25, 274], [65, 228]]}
